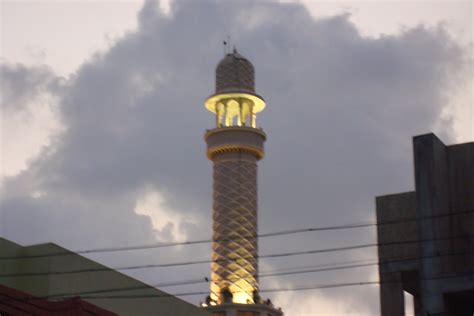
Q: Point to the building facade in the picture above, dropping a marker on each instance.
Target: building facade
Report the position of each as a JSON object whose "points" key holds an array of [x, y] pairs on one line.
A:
{"points": [[235, 146], [41, 271], [426, 237]]}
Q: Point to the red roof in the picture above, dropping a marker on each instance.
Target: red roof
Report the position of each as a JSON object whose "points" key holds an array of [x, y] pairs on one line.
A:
{"points": [[14, 302]]}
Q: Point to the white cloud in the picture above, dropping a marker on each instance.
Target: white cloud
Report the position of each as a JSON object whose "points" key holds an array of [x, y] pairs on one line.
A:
{"points": [[166, 221], [29, 118], [65, 33], [461, 110]]}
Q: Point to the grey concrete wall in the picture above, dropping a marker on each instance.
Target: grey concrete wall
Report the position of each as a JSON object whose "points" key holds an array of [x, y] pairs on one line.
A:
{"points": [[432, 199], [443, 202], [395, 214], [398, 252], [461, 184]]}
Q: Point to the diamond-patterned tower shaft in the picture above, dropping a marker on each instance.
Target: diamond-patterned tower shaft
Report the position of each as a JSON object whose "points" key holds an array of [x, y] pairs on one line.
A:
{"points": [[235, 152], [235, 224]]}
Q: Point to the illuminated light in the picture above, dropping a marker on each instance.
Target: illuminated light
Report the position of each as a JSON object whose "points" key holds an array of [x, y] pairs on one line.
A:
{"points": [[213, 303], [242, 298], [257, 101], [235, 109], [215, 289], [242, 290], [204, 305]]}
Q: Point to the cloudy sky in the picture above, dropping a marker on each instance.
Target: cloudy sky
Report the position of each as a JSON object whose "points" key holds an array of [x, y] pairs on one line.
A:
{"points": [[102, 126]]}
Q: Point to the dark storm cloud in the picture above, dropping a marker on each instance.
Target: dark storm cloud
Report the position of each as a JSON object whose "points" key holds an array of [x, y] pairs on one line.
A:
{"points": [[20, 84], [341, 112]]}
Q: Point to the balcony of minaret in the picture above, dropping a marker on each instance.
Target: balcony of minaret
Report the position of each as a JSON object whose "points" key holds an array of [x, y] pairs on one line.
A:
{"points": [[235, 109]]}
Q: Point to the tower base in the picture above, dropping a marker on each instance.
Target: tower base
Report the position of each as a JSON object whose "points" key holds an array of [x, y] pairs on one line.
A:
{"points": [[232, 309]]}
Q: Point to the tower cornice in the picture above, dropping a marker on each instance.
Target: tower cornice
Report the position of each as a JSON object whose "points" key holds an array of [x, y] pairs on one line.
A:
{"points": [[235, 139]]}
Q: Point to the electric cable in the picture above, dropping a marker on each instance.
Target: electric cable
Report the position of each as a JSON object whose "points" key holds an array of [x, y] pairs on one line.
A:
{"points": [[187, 263], [203, 241], [263, 275], [269, 290]]}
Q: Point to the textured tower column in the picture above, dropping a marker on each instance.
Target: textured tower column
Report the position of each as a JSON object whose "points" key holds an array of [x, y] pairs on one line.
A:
{"points": [[235, 146], [235, 152]]}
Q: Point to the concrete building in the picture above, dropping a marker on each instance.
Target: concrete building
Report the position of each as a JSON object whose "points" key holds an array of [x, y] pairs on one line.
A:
{"points": [[235, 146], [36, 270], [426, 237]]}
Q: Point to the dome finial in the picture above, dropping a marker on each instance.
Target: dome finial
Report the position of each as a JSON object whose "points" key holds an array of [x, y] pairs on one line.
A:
{"points": [[225, 47], [226, 42]]}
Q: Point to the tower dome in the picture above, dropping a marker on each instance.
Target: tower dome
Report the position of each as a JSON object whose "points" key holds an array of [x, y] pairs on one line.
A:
{"points": [[235, 73]]}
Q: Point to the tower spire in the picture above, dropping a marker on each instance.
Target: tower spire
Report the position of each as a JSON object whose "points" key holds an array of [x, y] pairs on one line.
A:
{"points": [[235, 146]]}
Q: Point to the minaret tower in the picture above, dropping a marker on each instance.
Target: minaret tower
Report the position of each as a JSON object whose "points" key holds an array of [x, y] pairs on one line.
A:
{"points": [[235, 146]]}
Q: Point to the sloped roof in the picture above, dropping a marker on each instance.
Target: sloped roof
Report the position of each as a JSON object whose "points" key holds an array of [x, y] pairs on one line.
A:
{"points": [[110, 283]]}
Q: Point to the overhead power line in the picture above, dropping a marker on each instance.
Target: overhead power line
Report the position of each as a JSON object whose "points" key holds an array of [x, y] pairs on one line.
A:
{"points": [[203, 241], [340, 266], [268, 290], [187, 263]]}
